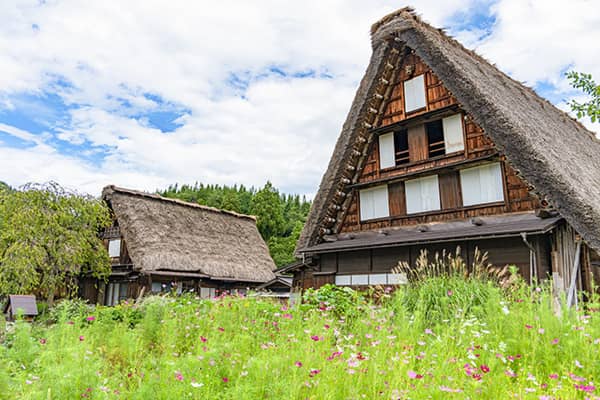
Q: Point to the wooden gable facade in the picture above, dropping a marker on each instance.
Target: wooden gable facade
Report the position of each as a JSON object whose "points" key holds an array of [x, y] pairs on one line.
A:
{"points": [[413, 170]]}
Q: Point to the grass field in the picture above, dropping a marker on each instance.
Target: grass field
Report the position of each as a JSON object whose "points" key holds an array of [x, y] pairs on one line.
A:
{"points": [[444, 338]]}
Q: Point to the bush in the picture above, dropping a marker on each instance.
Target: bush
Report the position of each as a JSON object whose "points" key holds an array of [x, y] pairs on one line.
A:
{"points": [[70, 310], [343, 301]]}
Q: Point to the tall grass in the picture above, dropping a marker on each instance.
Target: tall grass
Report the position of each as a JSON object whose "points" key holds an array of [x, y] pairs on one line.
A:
{"points": [[443, 337]]}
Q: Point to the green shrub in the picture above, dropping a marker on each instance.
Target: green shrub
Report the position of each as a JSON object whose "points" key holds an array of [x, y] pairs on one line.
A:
{"points": [[341, 300], [75, 310]]}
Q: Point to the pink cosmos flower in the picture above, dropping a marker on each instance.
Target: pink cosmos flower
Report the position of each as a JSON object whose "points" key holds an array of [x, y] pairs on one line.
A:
{"points": [[225, 380], [326, 326], [287, 316], [555, 341], [484, 368], [203, 339], [510, 373], [585, 388], [42, 341], [553, 376], [449, 292], [528, 326], [428, 331], [315, 338], [221, 329], [91, 318], [477, 377], [298, 364], [314, 372], [576, 378], [414, 375], [178, 376], [81, 338]]}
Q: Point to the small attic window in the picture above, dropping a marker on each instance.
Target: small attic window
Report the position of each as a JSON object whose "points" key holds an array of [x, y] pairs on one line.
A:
{"points": [[445, 136], [114, 248], [414, 94], [393, 149]]}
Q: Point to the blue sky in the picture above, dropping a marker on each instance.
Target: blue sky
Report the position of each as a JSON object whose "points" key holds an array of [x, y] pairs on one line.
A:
{"points": [[94, 94]]}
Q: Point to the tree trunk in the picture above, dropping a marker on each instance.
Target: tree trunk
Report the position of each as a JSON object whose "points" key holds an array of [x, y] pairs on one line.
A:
{"points": [[50, 299]]}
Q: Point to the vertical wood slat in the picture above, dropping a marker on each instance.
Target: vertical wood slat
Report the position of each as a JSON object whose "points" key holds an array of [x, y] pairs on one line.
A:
{"points": [[450, 192], [397, 199], [417, 143]]}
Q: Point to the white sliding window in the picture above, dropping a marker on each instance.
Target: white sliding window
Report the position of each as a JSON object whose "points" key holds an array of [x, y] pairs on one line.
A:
{"points": [[482, 184], [453, 133], [114, 248], [374, 203], [387, 156], [414, 93], [422, 194]]}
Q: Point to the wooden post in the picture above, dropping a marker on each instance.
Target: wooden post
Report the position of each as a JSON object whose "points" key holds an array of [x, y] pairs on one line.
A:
{"points": [[571, 297]]}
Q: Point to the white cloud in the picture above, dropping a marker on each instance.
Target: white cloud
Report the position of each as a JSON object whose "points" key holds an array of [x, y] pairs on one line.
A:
{"points": [[281, 129], [536, 40]]}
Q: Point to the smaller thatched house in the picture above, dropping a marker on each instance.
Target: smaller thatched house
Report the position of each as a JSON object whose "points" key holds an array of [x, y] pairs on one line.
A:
{"points": [[159, 244]]}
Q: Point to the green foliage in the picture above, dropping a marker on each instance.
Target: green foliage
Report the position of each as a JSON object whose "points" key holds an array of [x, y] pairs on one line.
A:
{"points": [[252, 348], [588, 86], [282, 247], [47, 237], [70, 310], [341, 300], [280, 217], [266, 206]]}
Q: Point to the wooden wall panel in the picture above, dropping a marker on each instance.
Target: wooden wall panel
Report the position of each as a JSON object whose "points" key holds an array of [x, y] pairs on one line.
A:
{"points": [[437, 95], [328, 262], [450, 192], [397, 199], [506, 251], [417, 144], [354, 261], [384, 260]]}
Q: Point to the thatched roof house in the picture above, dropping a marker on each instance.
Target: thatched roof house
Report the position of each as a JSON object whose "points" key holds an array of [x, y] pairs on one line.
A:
{"points": [[553, 152], [168, 240], [536, 160]]}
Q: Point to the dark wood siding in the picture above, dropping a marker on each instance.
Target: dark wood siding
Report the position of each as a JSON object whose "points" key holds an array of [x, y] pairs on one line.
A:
{"points": [[417, 144], [354, 261], [329, 262], [397, 198], [384, 260], [506, 251], [437, 95], [450, 193]]}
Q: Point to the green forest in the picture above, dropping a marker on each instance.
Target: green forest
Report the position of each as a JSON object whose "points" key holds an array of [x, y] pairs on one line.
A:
{"points": [[280, 217]]}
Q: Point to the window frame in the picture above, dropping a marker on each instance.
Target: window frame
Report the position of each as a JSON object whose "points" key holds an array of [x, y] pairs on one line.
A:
{"points": [[413, 85], [110, 247], [362, 202], [499, 190], [409, 210]]}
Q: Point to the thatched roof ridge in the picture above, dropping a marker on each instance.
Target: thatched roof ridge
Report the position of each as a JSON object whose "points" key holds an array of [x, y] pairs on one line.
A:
{"points": [[172, 235], [108, 190], [553, 152]]}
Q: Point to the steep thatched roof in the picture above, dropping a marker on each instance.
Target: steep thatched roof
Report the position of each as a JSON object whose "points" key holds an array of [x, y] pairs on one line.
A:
{"points": [[165, 234], [554, 153]]}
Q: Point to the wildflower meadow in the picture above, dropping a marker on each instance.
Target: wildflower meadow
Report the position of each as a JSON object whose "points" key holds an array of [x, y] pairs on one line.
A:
{"points": [[445, 338]]}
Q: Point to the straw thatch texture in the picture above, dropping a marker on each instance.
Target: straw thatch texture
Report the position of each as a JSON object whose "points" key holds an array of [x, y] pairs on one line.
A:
{"points": [[172, 235], [553, 152]]}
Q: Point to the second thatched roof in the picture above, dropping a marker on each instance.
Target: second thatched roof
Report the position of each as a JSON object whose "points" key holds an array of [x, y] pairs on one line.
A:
{"points": [[165, 234]]}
